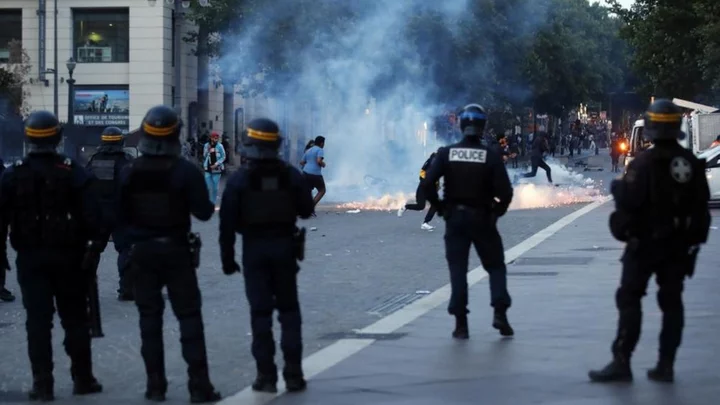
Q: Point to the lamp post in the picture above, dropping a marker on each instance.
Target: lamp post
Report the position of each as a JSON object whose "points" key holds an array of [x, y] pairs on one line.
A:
{"points": [[71, 90]]}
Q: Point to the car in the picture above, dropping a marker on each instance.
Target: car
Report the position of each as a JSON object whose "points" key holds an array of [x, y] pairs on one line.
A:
{"points": [[712, 171]]}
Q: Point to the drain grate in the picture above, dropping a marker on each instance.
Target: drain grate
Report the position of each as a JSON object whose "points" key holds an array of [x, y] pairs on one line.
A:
{"points": [[598, 249], [394, 303], [359, 335], [552, 261], [532, 273]]}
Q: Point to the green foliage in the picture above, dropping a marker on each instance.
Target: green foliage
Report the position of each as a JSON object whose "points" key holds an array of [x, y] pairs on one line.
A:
{"points": [[676, 46], [552, 54], [14, 78]]}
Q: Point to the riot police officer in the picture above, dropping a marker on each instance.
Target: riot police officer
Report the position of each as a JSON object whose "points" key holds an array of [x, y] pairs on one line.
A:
{"points": [[52, 216], [477, 192], [106, 166], [661, 212], [262, 201], [159, 191]]}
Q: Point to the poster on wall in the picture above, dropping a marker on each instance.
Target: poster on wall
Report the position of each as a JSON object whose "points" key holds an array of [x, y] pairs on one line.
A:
{"points": [[102, 106]]}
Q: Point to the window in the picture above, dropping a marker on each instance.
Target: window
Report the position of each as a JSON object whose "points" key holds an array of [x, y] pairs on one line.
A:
{"points": [[101, 35], [10, 30]]}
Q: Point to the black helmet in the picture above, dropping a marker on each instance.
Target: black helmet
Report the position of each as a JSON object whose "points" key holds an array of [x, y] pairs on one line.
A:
{"points": [[112, 136], [262, 139], [160, 132], [472, 120], [663, 120], [42, 131]]}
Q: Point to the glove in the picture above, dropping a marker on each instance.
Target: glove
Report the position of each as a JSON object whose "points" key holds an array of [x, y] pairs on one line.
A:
{"points": [[231, 267], [692, 256]]}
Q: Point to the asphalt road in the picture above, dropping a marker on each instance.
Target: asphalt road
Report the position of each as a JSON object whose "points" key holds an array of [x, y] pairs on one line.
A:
{"points": [[359, 267]]}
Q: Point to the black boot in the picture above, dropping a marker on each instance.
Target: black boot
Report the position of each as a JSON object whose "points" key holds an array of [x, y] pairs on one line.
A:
{"points": [[43, 388], [86, 385], [461, 328], [156, 387], [6, 295], [501, 323], [266, 380], [294, 378], [617, 370], [125, 296], [663, 372], [201, 389]]}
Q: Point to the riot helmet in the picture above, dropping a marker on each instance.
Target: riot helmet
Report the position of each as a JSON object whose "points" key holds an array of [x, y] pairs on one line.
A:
{"points": [[160, 132], [42, 132], [472, 120], [112, 139], [663, 121], [262, 139]]}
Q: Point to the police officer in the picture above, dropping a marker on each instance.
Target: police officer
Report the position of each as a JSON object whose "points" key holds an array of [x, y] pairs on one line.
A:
{"points": [[159, 191], [5, 294], [477, 192], [262, 201], [661, 212], [51, 216], [106, 165]]}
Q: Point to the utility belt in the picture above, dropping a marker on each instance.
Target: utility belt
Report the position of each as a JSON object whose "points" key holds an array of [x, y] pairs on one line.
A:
{"points": [[472, 210], [191, 241], [298, 236]]}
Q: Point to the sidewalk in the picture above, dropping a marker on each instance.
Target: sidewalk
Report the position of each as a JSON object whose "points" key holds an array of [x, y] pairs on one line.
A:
{"points": [[564, 316]]}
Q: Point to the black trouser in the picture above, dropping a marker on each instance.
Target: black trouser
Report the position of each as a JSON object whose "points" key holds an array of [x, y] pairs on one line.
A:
{"points": [[464, 228], [125, 279], [420, 202], [46, 276], [157, 265], [270, 270], [670, 274], [536, 162], [2, 278]]}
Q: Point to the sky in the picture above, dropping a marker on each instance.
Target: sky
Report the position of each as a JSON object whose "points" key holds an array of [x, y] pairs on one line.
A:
{"points": [[626, 3]]}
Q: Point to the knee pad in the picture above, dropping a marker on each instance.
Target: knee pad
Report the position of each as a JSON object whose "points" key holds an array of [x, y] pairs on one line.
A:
{"points": [[670, 300], [627, 299]]}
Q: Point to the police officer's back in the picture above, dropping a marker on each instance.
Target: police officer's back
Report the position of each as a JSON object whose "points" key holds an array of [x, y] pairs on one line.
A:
{"points": [[51, 215], [661, 212], [159, 192], [477, 191], [106, 165], [262, 201]]}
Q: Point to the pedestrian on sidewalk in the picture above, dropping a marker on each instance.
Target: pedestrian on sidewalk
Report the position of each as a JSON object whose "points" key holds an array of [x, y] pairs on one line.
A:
{"points": [[262, 201], [662, 214], [477, 192], [312, 164], [214, 165], [420, 199]]}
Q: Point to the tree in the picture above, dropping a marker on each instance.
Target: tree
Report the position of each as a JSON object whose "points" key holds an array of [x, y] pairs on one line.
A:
{"points": [[709, 36], [666, 38], [15, 79]]}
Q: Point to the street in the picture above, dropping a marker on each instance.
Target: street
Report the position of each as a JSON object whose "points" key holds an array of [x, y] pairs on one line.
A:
{"points": [[359, 267]]}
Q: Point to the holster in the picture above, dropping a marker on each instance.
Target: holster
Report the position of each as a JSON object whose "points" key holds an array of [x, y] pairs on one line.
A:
{"points": [[195, 245], [299, 241]]}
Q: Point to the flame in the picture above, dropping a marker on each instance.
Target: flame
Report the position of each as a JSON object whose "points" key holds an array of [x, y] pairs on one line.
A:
{"points": [[387, 202], [623, 146]]}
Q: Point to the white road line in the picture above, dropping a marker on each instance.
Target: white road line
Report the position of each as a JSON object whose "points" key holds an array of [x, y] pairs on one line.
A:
{"points": [[345, 348]]}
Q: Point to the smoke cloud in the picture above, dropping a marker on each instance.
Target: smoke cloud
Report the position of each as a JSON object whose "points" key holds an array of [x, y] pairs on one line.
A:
{"points": [[378, 80]]}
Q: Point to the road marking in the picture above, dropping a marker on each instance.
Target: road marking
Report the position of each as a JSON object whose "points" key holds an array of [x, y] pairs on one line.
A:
{"points": [[345, 348]]}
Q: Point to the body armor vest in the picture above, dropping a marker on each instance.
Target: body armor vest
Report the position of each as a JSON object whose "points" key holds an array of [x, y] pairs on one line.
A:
{"points": [[151, 200], [466, 180], [102, 166], [268, 201], [44, 209], [674, 202]]}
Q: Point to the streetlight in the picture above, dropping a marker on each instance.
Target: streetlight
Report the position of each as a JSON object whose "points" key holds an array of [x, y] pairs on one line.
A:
{"points": [[71, 90]]}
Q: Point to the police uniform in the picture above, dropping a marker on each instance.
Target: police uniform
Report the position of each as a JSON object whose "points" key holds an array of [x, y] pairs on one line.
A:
{"points": [[159, 192], [106, 166], [661, 212], [51, 217], [262, 201], [420, 199], [477, 191]]}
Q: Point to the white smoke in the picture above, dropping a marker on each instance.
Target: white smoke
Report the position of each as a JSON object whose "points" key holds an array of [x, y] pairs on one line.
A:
{"points": [[369, 81]]}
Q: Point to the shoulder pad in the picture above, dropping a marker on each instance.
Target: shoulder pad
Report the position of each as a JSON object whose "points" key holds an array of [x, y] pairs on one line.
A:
{"points": [[67, 162], [19, 162]]}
